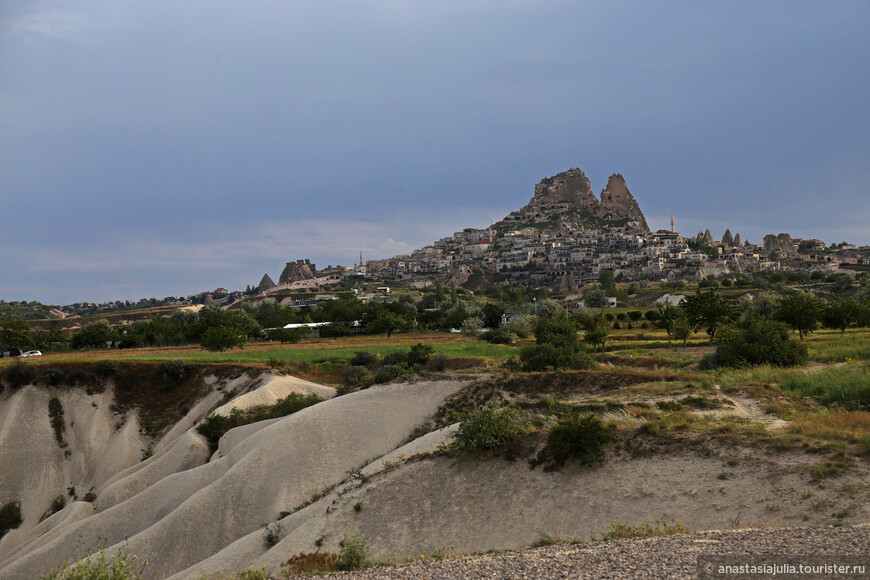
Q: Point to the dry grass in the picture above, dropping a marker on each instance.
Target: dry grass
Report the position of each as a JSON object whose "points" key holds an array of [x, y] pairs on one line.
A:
{"points": [[853, 426]]}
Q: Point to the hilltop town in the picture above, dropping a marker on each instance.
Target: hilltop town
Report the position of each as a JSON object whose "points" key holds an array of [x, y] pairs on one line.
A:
{"points": [[565, 236]]}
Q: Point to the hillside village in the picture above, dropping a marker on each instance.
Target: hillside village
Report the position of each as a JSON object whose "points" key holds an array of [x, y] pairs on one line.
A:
{"points": [[565, 237]]}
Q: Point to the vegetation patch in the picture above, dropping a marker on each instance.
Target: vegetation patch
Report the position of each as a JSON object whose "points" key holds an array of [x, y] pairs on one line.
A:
{"points": [[121, 566], [57, 504], [55, 414], [852, 427], [484, 429], [10, 516], [848, 388], [660, 528], [215, 426], [580, 438]]}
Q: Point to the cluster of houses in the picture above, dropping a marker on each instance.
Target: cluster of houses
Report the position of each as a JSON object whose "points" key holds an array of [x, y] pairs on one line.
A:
{"points": [[543, 255]]}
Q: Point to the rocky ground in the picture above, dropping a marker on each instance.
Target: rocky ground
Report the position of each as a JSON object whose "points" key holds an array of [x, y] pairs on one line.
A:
{"points": [[658, 557]]}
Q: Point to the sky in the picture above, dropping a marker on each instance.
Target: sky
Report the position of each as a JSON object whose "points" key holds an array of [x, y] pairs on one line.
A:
{"points": [[157, 148]]}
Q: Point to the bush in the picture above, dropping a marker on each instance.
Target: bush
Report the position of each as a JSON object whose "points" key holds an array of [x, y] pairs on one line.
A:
{"points": [[52, 377], [355, 554], [485, 429], [121, 566], [108, 368], [56, 505], [362, 358], [10, 516], [390, 373], [756, 341], [394, 358], [356, 377], [582, 438], [544, 357], [18, 374], [292, 403], [437, 363], [499, 336], [175, 370], [420, 353]]}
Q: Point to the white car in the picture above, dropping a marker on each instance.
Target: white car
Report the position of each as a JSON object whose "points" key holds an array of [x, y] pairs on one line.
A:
{"points": [[32, 353]]}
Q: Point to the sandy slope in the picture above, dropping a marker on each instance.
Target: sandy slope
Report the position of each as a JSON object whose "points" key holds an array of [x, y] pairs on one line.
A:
{"points": [[188, 515]]}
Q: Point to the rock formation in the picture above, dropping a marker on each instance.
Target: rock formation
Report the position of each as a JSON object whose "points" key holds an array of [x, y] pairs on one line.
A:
{"points": [[298, 270], [727, 239], [266, 283], [567, 201], [737, 242], [708, 237], [781, 244]]}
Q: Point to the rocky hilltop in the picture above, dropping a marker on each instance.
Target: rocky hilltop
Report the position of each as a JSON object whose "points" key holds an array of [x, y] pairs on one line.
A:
{"points": [[565, 202]]}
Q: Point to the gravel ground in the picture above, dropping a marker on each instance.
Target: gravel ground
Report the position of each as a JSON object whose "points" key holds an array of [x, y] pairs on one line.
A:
{"points": [[658, 557]]}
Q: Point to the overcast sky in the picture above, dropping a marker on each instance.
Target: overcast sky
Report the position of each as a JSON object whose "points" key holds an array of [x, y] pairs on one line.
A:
{"points": [[156, 147]]}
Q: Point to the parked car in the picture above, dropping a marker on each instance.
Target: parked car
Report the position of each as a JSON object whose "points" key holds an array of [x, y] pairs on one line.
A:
{"points": [[32, 353], [11, 352]]}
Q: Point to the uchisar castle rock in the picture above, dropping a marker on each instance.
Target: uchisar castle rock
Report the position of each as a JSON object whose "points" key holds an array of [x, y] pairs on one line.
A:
{"points": [[565, 236]]}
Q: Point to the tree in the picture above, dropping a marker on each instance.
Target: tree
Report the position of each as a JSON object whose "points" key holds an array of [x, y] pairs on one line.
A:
{"points": [[597, 330], [707, 310], [492, 313], [97, 333], [670, 318], [681, 329], [472, 326], [755, 341], [222, 338], [840, 312], [800, 310], [284, 335], [608, 284], [387, 322], [15, 333], [595, 297]]}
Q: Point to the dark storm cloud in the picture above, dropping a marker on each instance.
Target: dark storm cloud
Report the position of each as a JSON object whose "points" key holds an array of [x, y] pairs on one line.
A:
{"points": [[178, 132]]}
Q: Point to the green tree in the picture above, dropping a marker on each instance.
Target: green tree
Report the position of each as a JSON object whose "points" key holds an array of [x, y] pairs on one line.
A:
{"points": [[222, 338], [15, 333], [840, 312], [608, 284], [756, 340], [800, 310], [387, 323], [284, 335], [595, 297], [597, 330], [707, 310], [95, 334]]}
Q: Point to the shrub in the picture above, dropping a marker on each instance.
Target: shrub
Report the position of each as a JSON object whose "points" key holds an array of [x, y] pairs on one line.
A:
{"points": [[437, 363], [362, 358], [356, 377], [756, 341], [57, 504], [355, 554], [499, 336], [213, 428], [55, 413], [292, 403], [272, 534], [175, 370], [108, 368], [52, 377], [420, 353], [543, 357], [10, 516], [121, 566], [390, 373], [485, 429], [311, 563], [582, 438], [394, 358], [18, 374]]}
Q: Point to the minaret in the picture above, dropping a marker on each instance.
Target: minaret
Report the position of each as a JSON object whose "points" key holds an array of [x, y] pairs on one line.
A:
{"points": [[672, 223], [360, 259]]}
